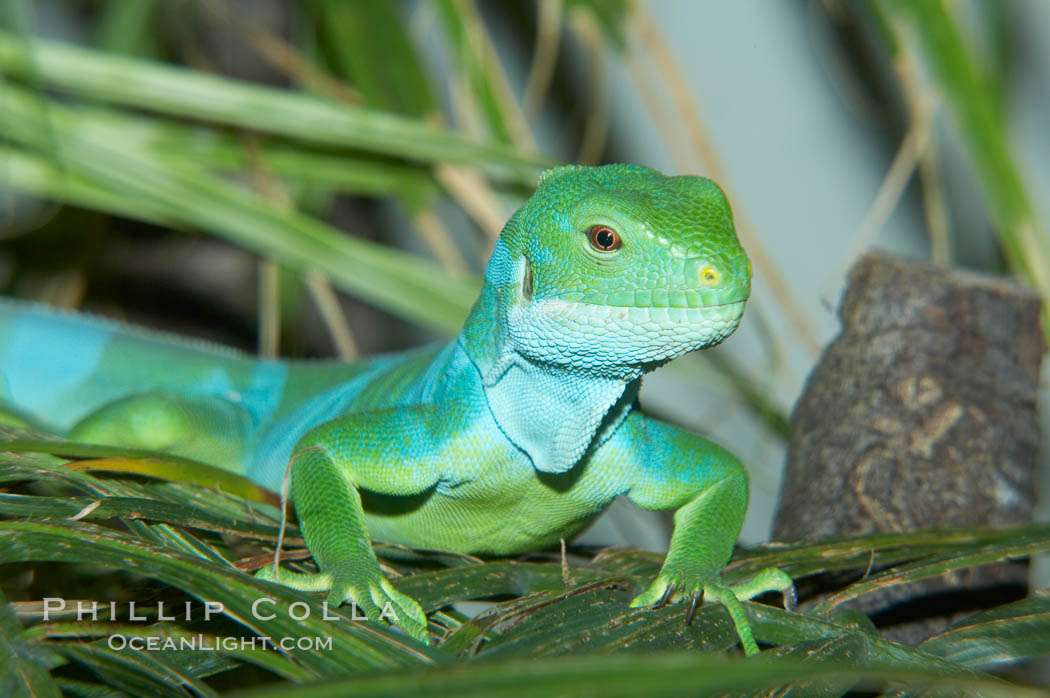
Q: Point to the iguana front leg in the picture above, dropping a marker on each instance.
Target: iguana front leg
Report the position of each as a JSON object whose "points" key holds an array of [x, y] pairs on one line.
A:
{"points": [[709, 488], [387, 452]]}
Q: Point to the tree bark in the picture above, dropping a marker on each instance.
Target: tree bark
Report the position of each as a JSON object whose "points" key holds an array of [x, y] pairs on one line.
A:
{"points": [[920, 414]]}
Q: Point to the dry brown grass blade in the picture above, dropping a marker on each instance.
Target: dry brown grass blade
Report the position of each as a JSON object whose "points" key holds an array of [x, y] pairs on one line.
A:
{"points": [[922, 103], [320, 287], [481, 44], [544, 55], [327, 302], [472, 191], [596, 128], [269, 308], [645, 28], [438, 240], [282, 56], [905, 160]]}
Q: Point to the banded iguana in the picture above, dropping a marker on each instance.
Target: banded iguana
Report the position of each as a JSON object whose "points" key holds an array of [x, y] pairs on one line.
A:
{"points": [[510, 437]]}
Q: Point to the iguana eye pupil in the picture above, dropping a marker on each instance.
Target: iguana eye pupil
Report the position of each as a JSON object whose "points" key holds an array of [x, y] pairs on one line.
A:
{"points": [[603, 238]]}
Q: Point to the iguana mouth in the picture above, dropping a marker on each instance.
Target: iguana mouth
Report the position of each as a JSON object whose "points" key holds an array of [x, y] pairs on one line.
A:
{"points": [[587, 334], [707, 324], [692, 299]]}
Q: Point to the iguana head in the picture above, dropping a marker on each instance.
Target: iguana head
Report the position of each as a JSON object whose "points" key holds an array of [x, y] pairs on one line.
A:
{"points": [[607, 268]]}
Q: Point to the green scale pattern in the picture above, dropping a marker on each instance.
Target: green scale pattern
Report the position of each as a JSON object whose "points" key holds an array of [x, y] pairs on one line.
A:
{"points": [[512, 436]]}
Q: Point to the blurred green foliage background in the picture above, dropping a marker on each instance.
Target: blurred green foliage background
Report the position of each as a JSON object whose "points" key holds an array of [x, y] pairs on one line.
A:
{"points": [[328, 177], [322, 176], [319, 177]]}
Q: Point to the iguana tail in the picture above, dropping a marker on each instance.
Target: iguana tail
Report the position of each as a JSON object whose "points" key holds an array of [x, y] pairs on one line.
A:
{"points": [[100, 381], [61, 366]]}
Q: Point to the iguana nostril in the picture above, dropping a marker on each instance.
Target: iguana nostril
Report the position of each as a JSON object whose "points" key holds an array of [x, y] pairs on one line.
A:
{"points": [[709, 275]]}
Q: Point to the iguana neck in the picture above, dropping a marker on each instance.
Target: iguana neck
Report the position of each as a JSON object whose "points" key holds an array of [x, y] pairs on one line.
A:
{"points": [[554, 413]]}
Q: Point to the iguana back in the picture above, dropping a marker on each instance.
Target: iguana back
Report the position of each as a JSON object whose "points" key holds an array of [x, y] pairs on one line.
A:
{"points": [[75, 374]]}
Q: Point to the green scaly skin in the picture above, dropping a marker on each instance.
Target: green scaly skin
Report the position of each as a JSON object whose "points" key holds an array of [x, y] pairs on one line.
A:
{"points": [[509, 438]]}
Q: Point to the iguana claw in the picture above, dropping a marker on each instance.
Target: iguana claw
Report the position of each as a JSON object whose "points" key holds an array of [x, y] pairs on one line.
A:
{"points": [[697, 599], [665, 585], [376, 599]]}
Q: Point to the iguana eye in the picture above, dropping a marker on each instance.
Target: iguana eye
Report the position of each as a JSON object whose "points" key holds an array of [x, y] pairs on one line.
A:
{"points": [[603, 238]]}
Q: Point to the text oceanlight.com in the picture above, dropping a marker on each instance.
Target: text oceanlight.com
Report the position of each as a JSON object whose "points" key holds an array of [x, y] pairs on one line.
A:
{"points": [[207, 643]]}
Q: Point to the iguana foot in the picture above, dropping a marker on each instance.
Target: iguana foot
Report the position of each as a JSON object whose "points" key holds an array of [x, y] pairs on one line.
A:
{"points": [[377, 599], [670, 585], [373, 596], [769, 579]]}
